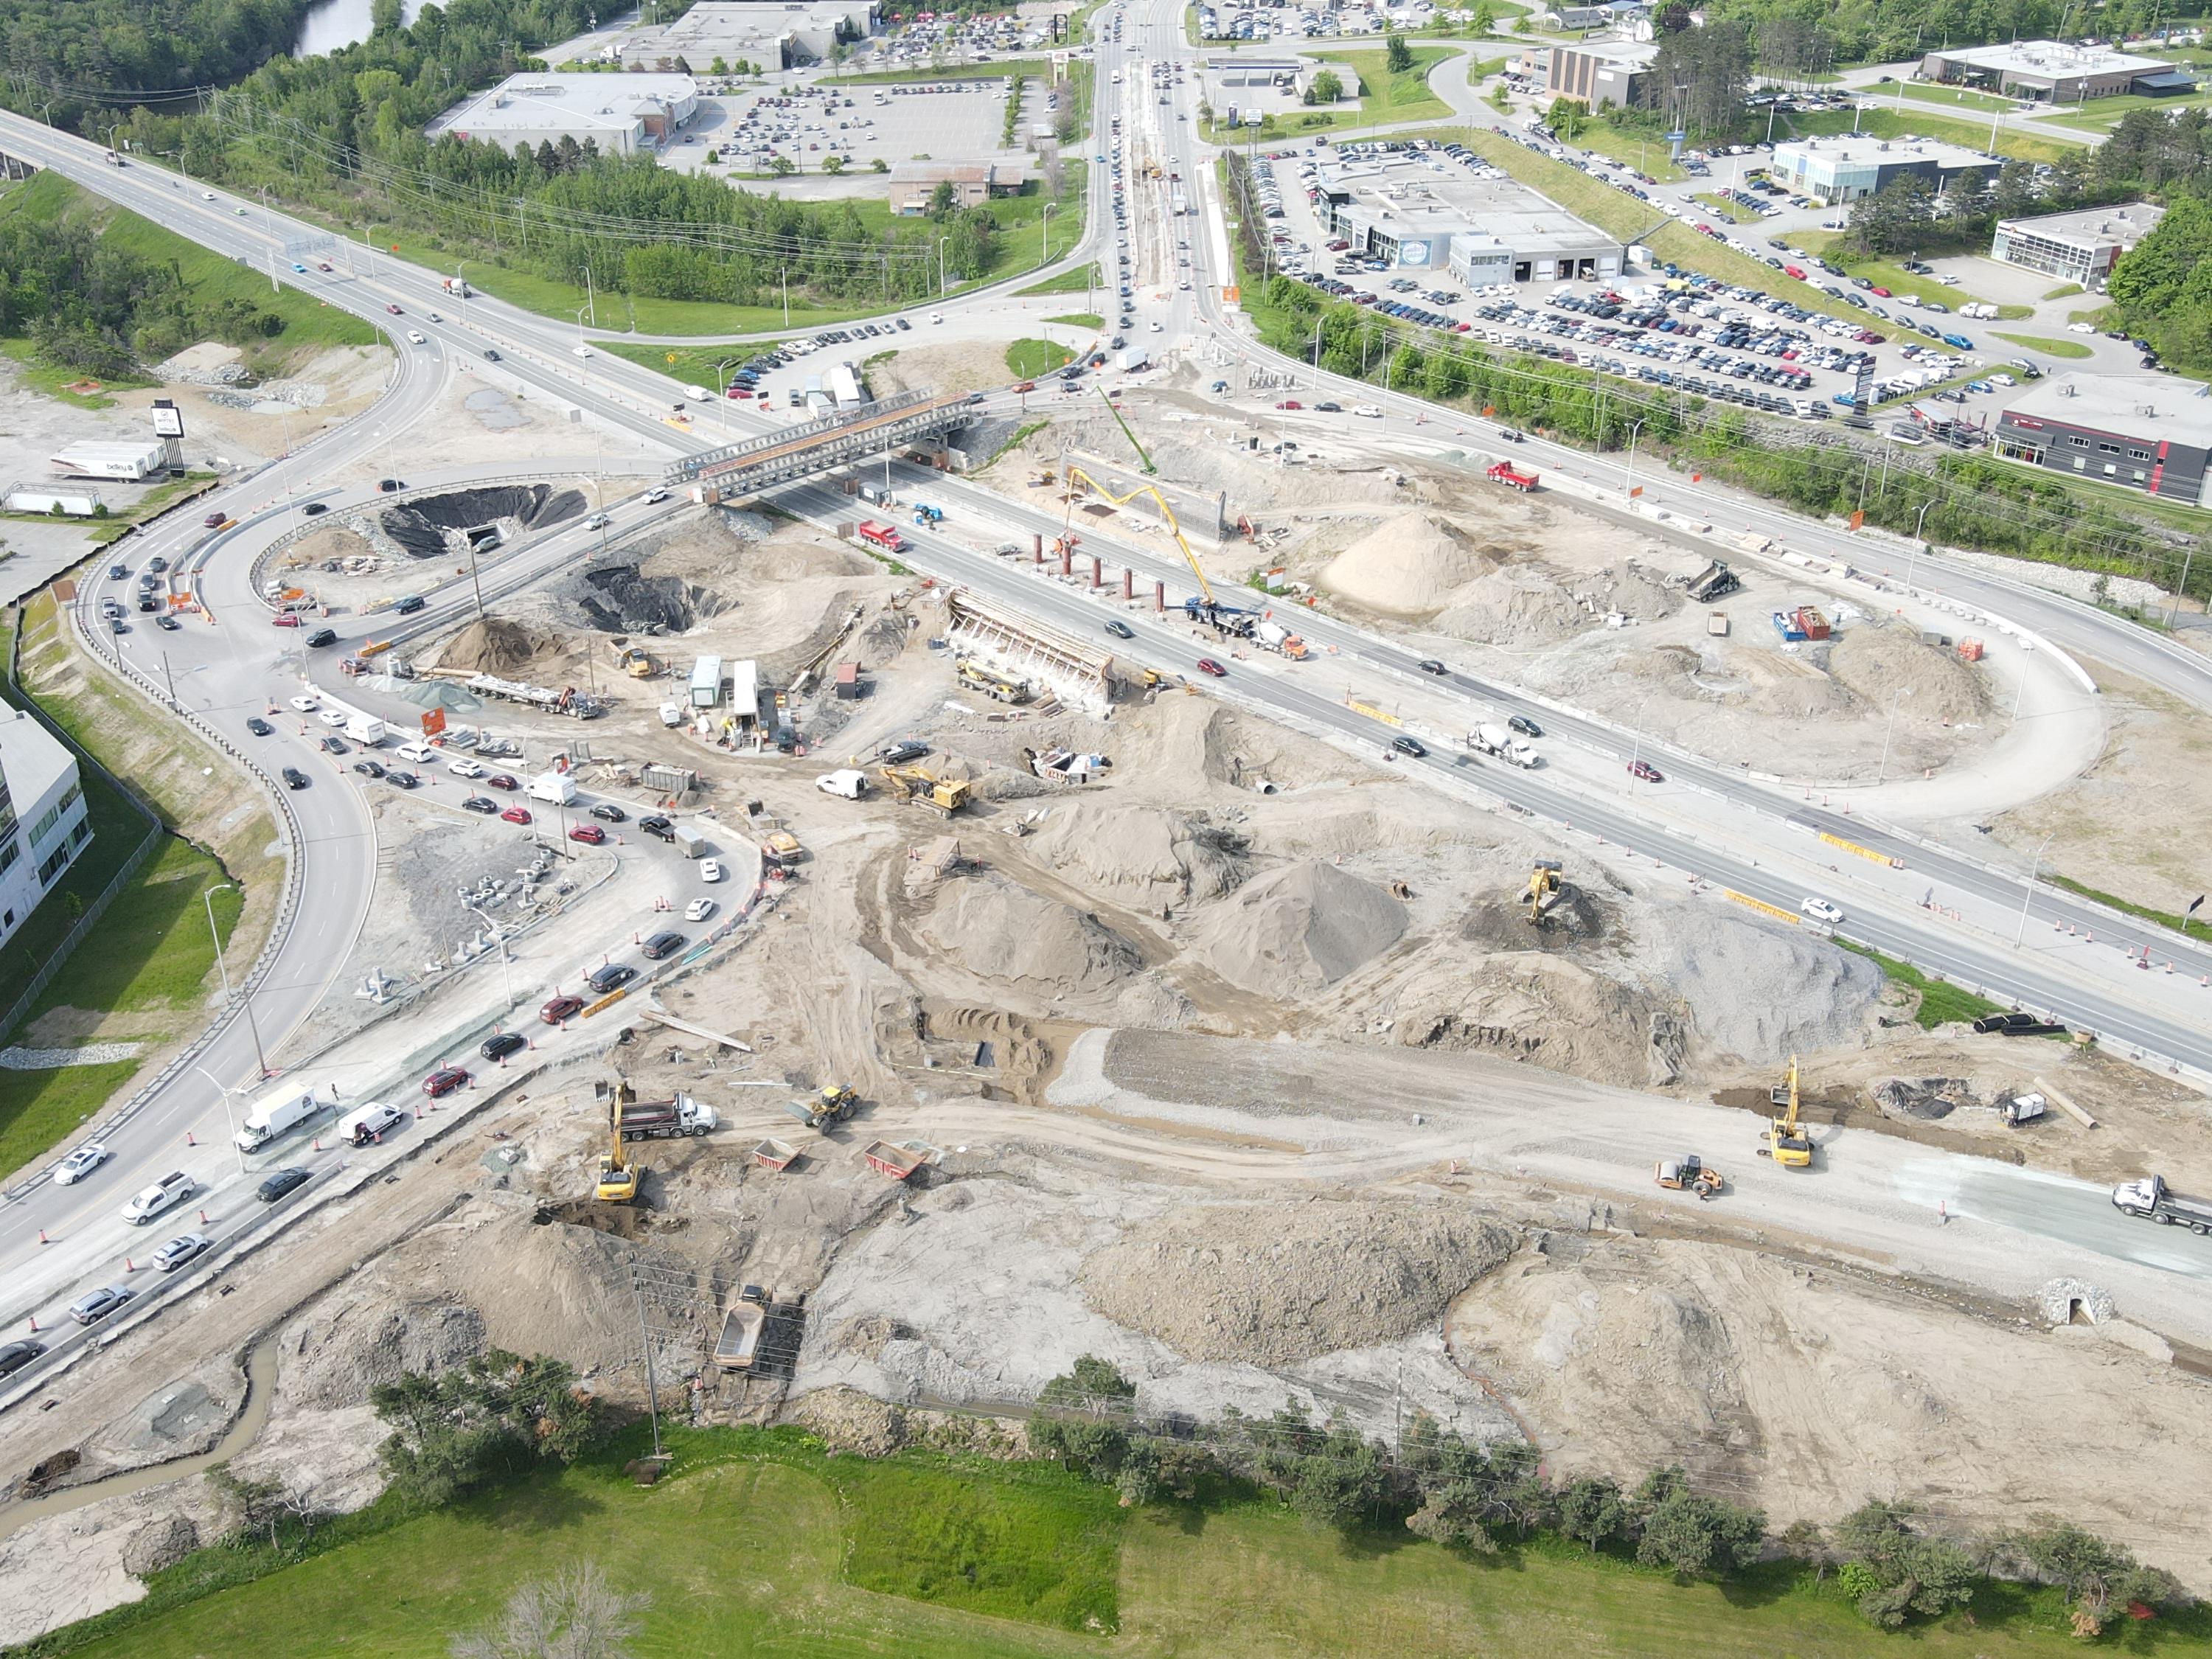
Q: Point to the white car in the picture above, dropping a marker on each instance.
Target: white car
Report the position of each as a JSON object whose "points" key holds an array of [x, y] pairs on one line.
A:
{"points": [[207, 195], [1369, 409], [698, 909], [80, 1164], [180, 1250], [581, 351], [936, 316], [465, 767], [333, 718], [417, 337], [655, 495], [1820, 910], [710, 870], [305, 704], [2081, 328]]}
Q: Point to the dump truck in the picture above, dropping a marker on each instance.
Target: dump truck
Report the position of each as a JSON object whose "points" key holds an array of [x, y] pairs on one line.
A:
{"points": [[664, 1120], [739, 1343], [884, 536], [1686, 1175], [635, 661], [1500, 740], [918, 787], [1511, 476], [995, 683], [1715, 582], [2153, 1199], [1273, 636], [779, 849]]}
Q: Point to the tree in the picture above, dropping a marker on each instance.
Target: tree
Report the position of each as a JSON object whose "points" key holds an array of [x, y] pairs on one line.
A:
{"points": [[833, 164], [2100, 1579], [1592, 1510], [720, 66], [1088, 1382], [1397, 56], [1692, 1535], [780, 165], [840, 53], [1893, 1570], [1339, 1483], [1563, 115], [942, 200], [879, 165], [1482, 18], [575, 1614], [453, 1432], [1327, 87]]}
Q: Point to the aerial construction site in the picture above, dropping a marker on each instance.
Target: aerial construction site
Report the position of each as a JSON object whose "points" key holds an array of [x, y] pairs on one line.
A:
{"points": [[1138, 939]]}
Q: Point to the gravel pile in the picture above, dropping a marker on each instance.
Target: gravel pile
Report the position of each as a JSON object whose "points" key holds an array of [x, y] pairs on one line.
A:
{"points": [[1301, 928], [1273, 1284]]}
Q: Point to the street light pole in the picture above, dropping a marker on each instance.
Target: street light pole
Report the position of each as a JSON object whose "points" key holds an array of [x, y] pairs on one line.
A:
{"points": [[1635, 431], [499, 938], [941, 241], [1913, 564], [229, 1116], [1881, 771], [2028, 896], [369, 247], [208, 899], [722, 385]]}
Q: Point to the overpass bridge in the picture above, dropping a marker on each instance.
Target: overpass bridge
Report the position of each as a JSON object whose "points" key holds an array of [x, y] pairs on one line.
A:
{"points": [[799, 452]]}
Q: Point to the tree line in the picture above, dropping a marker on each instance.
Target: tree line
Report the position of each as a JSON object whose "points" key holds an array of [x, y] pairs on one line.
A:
{"points": [[1896, 1565]]}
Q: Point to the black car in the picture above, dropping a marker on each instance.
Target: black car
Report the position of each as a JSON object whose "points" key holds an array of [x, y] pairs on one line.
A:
{"points": [[612, 978], [490, 356], [663, 944], [1409, 746], [506, 1043], [335, 746], [385, 486], [1525, 726], [1121, 630], [484, 804], [17, 1355], [1330, 407], [282, 1183], [167, 624], [1430, 665], [401, 779], [148, 602], [410, 605], [607, 813], [259, 727], [315, 509], [295, 778], [322, 636], [658, 826], [898, 754], [368, 769], [158, 564]]}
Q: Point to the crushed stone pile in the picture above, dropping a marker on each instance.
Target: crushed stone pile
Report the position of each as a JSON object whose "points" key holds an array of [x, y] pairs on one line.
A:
{"points": [[1150, 856], [1409, 567], [1518, 605], [1809, 995], [1878, 663], [1300, 928], [424, 528], [1004, 932], [1273, 1284], [493, 645]]}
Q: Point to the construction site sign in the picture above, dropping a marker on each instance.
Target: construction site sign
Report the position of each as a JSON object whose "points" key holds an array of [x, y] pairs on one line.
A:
{"points": [[1372, 712], [1761, 906], [1866, 853], [434, 721]]}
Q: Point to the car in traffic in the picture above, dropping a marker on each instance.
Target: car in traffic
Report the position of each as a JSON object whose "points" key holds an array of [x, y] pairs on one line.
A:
{"points": [[371, 1123], [1412, 746], [17, 1355], [484, 804], [305, 703], [490, 355], [502, 1044], [1430, 665], [443, 1081], [659, 828], [1820, 910], [1289, 402], [334, 746], [392, 307], [167, 624], [1121, 630], [1207, 665], [608, 812], [313, 509], [610, 976], [465, 767], [259, 727], [501, 780], [1644, 770], [516, 814], [171, 1190], [282, 1183], [368, 769], [96, 1305], [1524, 725], [663, 944], [184, 1248], [710, 870], [561, 1008], [590, 834], [295, 778], [698, 909], [285, 619], [80, 1164], [402, 780], [215, 521], [322, 636]]}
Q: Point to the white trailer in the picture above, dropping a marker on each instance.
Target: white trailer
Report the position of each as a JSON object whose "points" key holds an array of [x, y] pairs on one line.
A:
{"points": [[366, 730]]}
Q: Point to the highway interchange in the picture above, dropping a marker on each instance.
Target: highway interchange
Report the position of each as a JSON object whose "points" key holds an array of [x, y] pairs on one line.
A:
{"points": [[1753, 837]]}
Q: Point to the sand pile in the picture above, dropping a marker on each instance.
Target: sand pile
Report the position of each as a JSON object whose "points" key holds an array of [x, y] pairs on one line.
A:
{"points": [[1516, 605], [1298, 929], [1549, 1012], [1810, 994], [1144, 856], [365, 1333], [1273, 1283], [493, 645], [1409, 567], [1878, 663], [1035, 946], [552, 1289]]}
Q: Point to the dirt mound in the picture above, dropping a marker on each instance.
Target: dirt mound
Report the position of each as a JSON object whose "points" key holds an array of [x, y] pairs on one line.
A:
{"points": [[1152, 857], [1409, 567], [1518, 605], [1301, 928], [493, 645], [366, 1333], [1811, 994], [427, 528], [547, 1288], [1542, 1009], [1273, 1284], [1039, 949], [1878, 663]]}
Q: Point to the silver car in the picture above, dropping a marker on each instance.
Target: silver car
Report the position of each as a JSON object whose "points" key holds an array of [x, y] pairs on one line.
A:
{"points": [[185, 1247], [96, 1305]]}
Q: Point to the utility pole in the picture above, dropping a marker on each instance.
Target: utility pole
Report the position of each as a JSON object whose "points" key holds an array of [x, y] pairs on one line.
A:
{"points": [[208, 898]]}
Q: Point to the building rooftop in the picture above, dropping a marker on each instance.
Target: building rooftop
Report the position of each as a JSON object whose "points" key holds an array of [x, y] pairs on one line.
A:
{"points": [[1864, 149], [2127, 224], [32, 759], [1630, 54], [1406, 200], [2052, 59], [530, 102], [2147, 405]]}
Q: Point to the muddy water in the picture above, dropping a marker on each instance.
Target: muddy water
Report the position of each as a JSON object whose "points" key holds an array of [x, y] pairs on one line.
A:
{"points": [[260, 1392], [340, 23]]}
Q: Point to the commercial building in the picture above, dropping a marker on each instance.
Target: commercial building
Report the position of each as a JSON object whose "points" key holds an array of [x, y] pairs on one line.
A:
{"points": [[2052, 72], [1484, 230], [914, 183], [1600, 73], [621, 114], [126, 462], [1622, 15], [2146, 432], [2075, 247], [1847, 167], [43, 826], [767, 32]]}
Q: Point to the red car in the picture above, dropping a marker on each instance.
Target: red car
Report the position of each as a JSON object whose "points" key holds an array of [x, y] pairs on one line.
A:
{"points": [[1792, 271], [322, 264], [443, 1081], [284, 619], [1207, 665], [1879, 291], [394, 310], [213, 521], [1025, 385], [590, 834], [1645, 770], [516, 814], [561, 1008], [1289, 402], [500, 781]]}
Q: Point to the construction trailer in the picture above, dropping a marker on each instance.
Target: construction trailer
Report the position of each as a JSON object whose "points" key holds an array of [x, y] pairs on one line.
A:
{"points": [[706, 682]]}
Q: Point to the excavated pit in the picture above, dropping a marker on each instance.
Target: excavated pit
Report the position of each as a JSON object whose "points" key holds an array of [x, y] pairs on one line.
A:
{"points": [[621, 599], [426, 529]]}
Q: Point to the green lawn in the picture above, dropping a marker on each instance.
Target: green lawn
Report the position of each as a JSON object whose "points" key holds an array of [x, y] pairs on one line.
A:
{"points": [[2071, 348], [1035, 68], [1079, 319], [1941, 1002], [2195, 929], [1722, 208], [1639, 150], [1910, 123], [1385, 98], [1928, 92], [759, 1545], [50, 381], [2106, 113], [1026, 359], [1078, 280]]}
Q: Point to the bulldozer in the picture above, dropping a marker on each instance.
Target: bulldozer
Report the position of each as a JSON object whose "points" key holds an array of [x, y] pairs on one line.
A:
{"points": [[839, 1101], [1544, 887], [618, 1170], [1787, 1144], [1686, 1174], [920, 787]]}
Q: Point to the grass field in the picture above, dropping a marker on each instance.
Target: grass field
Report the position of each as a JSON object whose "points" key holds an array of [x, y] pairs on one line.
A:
{"points": [[2106, 113], [1941, 1002], [2068, 348], [1068, 281], [1631, 149], [49, 381], [1026, 359], [1035, 68], [1079, 319], [1911, 122], [759, 1545], [1928, 92], [1385, 98]]}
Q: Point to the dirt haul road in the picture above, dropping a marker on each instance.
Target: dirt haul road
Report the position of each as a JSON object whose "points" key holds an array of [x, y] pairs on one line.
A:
{"points": [[1225, 1110]]}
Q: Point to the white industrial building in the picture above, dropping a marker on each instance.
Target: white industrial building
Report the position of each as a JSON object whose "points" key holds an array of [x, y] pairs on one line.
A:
{"points": [[126, 462], [1483, 229], [43, 825], [767, 32], [622, 114], [2076, 247]]}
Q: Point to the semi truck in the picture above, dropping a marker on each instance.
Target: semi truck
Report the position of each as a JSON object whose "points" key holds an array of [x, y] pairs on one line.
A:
{"points": [[1500, 740], [884, 536], [1512, 477], [664, 1120], [2153, 1199], [1273, 636], [366, 730], [274, 1116]]}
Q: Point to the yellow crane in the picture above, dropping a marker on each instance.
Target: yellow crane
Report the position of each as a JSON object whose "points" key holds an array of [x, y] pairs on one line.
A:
{"points": [[1786, 1141], [618, 1170], [1204, 606]]}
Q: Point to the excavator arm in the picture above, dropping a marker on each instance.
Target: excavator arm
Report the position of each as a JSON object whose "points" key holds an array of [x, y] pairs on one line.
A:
{"points": [[1205, 588]]}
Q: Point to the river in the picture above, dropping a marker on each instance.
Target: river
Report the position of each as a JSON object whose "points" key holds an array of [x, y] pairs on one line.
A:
{"points": [[337, 23]]}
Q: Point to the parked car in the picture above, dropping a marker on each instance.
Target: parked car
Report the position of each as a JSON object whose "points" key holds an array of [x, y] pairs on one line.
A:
{"points": [[902, 752], [443, 1081], [505, 1043], [561, 1008]]}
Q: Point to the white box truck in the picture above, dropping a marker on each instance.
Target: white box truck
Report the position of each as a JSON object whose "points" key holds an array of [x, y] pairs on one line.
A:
{"points": [[557, 788], [1500, 740], [274, 1115], [848, 782], [1134, 358], [689, 843], [366, 730]]}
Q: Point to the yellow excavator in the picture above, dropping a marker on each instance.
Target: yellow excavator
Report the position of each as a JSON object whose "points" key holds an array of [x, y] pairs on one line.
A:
{"points": [[1202, 606], [1544, 888], [1787, 1144], [919, 788], [618, 1170]]}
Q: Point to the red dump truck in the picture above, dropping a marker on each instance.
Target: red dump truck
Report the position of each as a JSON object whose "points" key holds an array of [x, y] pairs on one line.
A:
{"points": [[882, 535], [1512, 477]]}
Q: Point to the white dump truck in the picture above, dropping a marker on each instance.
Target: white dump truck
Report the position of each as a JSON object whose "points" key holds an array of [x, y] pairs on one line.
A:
{"points": [[1500, 740], [2153, 1199]]}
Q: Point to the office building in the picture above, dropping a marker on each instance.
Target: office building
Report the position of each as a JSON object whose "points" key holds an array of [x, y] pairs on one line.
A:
{"points": [[1484, 230], [1847, 167], [1602, 73], [2146, 432], [43, 825], [2075, 247], [2051, 72]]}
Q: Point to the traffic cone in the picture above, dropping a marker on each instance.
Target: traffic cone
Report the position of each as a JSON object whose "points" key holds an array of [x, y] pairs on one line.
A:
{"points": [[188, 1141], [34, 1322], [127, 1268], [43, 1239], [204, 1220]]}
